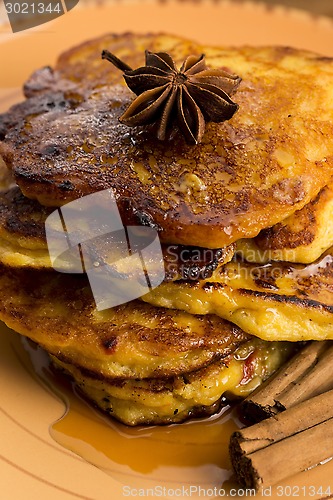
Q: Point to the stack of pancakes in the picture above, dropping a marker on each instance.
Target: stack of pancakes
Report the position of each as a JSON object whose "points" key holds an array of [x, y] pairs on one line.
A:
{"points": [[243, 219]]}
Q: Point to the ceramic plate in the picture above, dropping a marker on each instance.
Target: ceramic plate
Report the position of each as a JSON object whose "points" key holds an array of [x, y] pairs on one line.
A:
{"points": [[52, 444]]}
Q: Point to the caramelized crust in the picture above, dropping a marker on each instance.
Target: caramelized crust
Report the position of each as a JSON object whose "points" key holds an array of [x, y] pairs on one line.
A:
{"points": [[23, 244], [22, 221], [303, 237], [276, 301], [132, 340], [268, 161]]}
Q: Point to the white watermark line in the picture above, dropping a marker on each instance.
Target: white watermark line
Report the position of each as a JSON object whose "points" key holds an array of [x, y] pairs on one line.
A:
{"points": [[186, 491], [195, 491]]}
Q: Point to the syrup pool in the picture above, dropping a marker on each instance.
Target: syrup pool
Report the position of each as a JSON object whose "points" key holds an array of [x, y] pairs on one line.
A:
{"points": [[193, 453]]}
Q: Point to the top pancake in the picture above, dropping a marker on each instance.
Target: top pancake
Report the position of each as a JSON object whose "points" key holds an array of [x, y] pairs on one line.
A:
{"points": [[249, 173]]}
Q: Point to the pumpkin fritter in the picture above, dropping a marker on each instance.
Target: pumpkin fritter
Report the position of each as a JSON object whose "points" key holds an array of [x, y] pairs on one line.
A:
{"points": [[132, 340], [303, 237], [269, 160], [23, 244], [175, 399], [276, 301]]}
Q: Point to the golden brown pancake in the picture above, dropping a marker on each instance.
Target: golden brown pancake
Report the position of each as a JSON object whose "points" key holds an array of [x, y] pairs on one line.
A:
{"points": [[269, 160], [196, 394], [303, 237], [277, 301], [23, 244], [132, 340]]}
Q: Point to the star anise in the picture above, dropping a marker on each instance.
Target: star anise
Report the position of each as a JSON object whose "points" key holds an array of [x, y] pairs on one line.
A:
{"points": [[191, 95]]}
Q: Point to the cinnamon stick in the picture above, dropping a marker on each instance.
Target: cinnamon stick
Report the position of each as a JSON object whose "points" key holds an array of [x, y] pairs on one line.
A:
{"points": [[306, 375], [276, 448]]}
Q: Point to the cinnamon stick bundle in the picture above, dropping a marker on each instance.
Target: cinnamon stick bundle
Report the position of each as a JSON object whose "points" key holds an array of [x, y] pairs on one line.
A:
{"points": [[266, 453], [306, 375]]}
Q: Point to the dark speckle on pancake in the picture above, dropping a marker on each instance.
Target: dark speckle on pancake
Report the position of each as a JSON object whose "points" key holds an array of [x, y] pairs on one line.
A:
{"points": [[110, 344], [268, 284], [287, 299], [145, 219], [50, 150], [66, 185]]}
